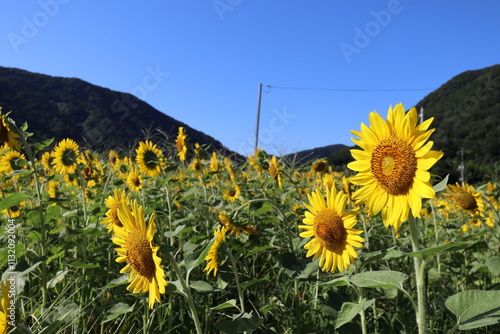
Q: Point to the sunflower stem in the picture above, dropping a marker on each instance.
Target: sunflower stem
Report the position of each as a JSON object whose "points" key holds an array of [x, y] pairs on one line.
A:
{"points": [[187, 293], [237, 281], [419, 279]]}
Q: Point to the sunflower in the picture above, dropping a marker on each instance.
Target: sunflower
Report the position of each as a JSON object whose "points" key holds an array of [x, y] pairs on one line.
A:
{"points": [[46, 161], [213, 254], [65, 156], [54, 189], [111, 220], [14, 211], [7, 136], [122, 167], [393, 165], [134, 180], [149, 158], [5, 303], [180, 144], [466, 197], [11, 161], [113, 157], [214, 162], [232, 228], [332, 229], [318, 167], [231, 194], [275, 171], [136, 248]]}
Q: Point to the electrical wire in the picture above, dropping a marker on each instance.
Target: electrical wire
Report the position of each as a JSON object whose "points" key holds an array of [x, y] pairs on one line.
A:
{"points": [[352, 90]]}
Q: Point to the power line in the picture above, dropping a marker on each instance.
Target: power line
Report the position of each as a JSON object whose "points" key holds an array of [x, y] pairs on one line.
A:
{"points": [[353, 89]]}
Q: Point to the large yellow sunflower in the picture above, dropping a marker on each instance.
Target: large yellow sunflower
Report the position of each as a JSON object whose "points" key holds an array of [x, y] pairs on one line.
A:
{"points": [[136, 248], [466, 197], [111, 220], [393, 165], [180, 144], [149, 158], [332, 230], [7, 136], [66, 156]]}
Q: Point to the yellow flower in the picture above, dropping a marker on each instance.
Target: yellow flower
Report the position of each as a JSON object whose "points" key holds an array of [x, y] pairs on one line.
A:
{"points": [[149, 159], [7, 136], [66, 156], [231, 194], [11, 161], [137, 250], [122, 167], [180, 144], [113, 158], [318, 167], [232, 228], [5, 303], [331, 229], [466, 197], [214, 162], [275, 171], [134, 180], [111, 220], [213, 254], [393, 165], [47, 160]]}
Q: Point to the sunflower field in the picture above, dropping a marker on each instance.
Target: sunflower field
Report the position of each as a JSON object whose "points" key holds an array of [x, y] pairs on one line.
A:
{"points": [[172, 237]]}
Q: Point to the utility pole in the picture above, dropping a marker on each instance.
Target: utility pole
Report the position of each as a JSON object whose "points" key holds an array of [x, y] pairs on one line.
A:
{"points": [[421, 115], [258, 118], [461, 167]]}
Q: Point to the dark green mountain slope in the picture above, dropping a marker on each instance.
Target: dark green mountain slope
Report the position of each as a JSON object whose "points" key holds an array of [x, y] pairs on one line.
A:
{"points": [[466, 112], [95, 117]]}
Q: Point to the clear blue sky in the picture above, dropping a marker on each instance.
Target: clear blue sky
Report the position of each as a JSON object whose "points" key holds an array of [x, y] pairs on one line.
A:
{"points": [[201, 61]]}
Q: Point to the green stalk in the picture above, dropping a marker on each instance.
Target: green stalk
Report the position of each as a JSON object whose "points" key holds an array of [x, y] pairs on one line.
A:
{"points": [[419, 279], [187, 293], [237, 281], [43, 237]]}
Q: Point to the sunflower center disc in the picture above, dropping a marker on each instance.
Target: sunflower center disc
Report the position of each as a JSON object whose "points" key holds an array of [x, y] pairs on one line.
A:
{"points": [[393, 163], [114, 216], [151, 160], [465, 201], [140, 254], [329, 229], [68, 157]]}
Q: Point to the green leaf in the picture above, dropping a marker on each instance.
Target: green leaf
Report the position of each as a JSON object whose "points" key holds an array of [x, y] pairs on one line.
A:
{"points": [[493, 264], [310, 268], [266, 207], [379, 279], [441, 185], [243, 322], [116, 311], [350, 310], [57, 278], [229, 303], [424, 254], [193, 260], [475, 309], [40, 146], [247, 284], [85, 265], [116, 282], [341, 281], [12, 199], [201, 286]]}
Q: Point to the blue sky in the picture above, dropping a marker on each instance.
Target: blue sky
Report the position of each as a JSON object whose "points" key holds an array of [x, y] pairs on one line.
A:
{"points": [[201, 61]]}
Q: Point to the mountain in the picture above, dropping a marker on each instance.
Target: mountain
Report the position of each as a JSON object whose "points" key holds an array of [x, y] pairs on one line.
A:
{"points": [[466, 111], [317, 153], [95, 117]]}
